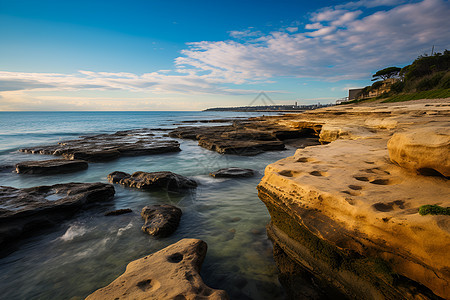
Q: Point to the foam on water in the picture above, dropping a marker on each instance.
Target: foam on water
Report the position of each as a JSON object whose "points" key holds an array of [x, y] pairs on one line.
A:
{"points": [[73, 232]]}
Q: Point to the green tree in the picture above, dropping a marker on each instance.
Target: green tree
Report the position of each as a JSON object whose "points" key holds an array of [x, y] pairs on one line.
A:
{"points": [[386, 73]]}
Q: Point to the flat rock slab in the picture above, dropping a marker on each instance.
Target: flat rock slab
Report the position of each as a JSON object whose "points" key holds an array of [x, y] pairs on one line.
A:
{"points": [[153, 180], [53, 166], [106, 147], [161, 220], [171, 273], [246, 138], [232, 173], [25, 210]]}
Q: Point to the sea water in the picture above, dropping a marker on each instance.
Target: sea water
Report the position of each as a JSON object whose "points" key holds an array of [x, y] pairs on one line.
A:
{"points": [[90, 250]]}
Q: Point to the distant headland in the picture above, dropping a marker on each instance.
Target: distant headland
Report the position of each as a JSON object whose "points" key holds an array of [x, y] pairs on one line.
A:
{"points": [[270, 108]]}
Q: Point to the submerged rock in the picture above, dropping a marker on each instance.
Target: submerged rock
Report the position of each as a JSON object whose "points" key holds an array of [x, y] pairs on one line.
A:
{"points": [[153, 180], [53, 166], [106, 147], [26, 210], [161, 220], [118, 212], [232, 173], [171, 273]]}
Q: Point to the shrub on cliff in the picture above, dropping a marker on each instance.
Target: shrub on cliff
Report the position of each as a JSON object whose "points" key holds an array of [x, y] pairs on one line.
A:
{"points": [[433, 210]]}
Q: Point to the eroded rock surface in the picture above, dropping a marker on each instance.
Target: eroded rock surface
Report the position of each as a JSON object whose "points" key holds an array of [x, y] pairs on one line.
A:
{"points": [[232, 173], [422, 150], [161, 220], [26, 210], [345, 212], [171, 273], [106, 147], [153, 180], [250, 137], [53, 166]]}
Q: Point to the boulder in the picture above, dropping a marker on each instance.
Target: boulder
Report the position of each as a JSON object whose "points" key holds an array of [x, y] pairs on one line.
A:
{"points": [[153, 180], [425, 150], [53, 166], [232, 173], [161, 220], [26, 210], [106, 147], [171, 273]]}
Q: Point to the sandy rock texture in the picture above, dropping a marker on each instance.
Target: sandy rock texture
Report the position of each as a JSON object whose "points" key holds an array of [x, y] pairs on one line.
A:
{"points": [[348, 210], [171, 273]]}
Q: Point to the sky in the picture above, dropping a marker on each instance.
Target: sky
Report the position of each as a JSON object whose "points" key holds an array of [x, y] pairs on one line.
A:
{"points": [[154, 55]]}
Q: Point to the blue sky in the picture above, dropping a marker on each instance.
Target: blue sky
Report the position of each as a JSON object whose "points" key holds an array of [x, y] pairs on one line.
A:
{"points": [[190, 55]]}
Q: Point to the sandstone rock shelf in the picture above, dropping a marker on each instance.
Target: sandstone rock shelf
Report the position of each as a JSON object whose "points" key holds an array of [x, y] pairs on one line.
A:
{"points": [[349, 209], [171, 273]]}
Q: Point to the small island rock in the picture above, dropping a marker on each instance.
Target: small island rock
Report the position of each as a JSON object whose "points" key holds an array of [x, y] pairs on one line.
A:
{"points": [[153, 180], [232, 173], [161, 220]]}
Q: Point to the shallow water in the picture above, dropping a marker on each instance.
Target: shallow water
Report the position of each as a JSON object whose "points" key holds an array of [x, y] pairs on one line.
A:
{"points": [[90, 250]]}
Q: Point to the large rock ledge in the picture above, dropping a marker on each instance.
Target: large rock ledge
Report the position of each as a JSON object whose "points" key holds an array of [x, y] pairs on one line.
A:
{"points": [[23, 211], [345, 212], [246, 138], [171, 273], [106, 147]]}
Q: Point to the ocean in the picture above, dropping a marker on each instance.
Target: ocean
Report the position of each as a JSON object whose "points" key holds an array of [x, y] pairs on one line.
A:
{"points": [[88, 251]]}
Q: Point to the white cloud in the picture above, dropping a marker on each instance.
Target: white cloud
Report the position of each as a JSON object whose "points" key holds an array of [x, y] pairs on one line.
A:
{"points": [[292, 29], [351, 49], [340, 43]]}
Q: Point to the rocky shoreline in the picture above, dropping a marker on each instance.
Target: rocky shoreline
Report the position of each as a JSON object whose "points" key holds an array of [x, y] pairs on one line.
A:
{"points": [[344, 208], [348, 211]]}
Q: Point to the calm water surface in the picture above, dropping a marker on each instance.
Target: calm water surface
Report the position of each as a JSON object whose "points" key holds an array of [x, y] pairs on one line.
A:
{"points": [[90, 250]]}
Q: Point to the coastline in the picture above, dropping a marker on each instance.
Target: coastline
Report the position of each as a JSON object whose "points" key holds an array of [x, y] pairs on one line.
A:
{"points": [[351, 207], [347, 218]]}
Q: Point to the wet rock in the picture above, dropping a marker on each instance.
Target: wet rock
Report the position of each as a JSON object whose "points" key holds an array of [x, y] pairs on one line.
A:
{"points": [[250, 137], [106, 147], [232, 173], [153, 180], [53, 166], [161, 220], [171, 273], [118, 212], [23, 211]]}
